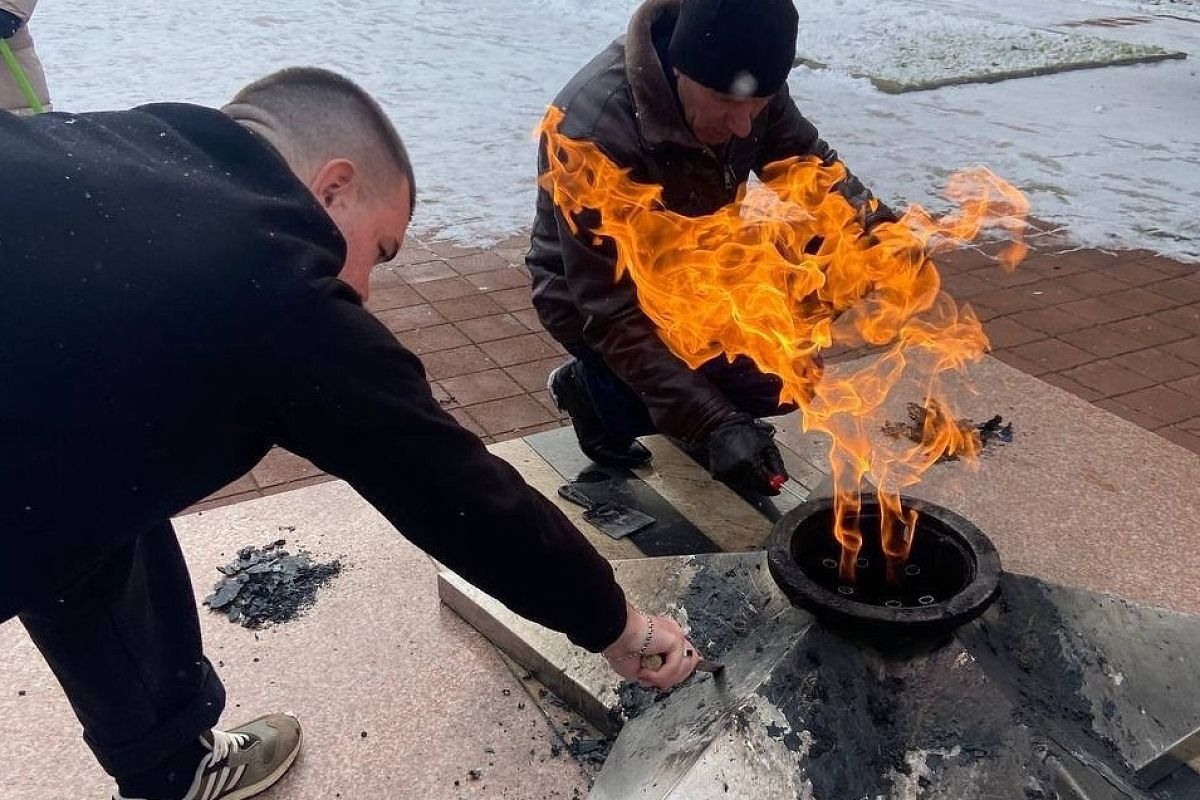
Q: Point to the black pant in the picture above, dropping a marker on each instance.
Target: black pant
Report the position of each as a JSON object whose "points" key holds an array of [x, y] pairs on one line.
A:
{"points": [[125, 645], [624, 414]]}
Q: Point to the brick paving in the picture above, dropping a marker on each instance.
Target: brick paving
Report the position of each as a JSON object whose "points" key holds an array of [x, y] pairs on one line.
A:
{"points": [[1121, 330]]}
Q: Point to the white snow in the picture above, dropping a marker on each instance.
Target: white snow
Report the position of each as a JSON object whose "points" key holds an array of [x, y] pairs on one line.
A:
{"points": [[907, 44], [1112, 154]]}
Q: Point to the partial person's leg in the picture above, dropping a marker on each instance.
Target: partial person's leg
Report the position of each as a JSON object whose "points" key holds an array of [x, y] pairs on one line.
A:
{"points": [[607, 415], [125, 645]]}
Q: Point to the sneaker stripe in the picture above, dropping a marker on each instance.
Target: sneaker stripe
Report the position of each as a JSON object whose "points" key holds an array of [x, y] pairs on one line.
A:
{"points": [[215, 779], [237, 775]]}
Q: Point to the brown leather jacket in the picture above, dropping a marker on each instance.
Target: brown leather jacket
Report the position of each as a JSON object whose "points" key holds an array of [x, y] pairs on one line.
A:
{"points": [[624, 103]]}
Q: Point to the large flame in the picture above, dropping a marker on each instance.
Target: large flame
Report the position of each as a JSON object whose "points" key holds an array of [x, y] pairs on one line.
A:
{"points": [[785, 272]]}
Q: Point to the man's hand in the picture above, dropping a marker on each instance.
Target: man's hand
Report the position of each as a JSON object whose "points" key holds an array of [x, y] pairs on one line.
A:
{"points": [[742, 453], [9, 24], [652, 635]]}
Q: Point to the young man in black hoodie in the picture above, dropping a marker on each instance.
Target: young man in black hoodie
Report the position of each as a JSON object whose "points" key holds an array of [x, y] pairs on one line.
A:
{"points": [[184, 290], [694, 98]]}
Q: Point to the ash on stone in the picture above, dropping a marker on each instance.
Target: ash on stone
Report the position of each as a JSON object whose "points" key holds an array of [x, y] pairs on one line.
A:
{"points": [[990, 432], [269, 584]]}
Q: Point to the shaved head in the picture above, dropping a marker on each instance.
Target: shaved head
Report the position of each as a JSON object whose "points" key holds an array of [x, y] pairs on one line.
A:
{"points": [[313, 116], [340, 144]]}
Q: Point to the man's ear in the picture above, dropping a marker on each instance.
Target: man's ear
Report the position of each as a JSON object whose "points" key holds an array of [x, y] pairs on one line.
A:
{"points": [[333, 181]]}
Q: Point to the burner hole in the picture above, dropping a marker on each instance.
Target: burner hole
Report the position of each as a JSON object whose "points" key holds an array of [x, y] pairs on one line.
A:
{"points": [[847, 590], [829, 563], [912, 570], [893, 604], [925, 599], [862, 563]]}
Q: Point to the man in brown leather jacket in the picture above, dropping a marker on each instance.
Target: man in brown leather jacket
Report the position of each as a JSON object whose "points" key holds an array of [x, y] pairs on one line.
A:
{"points": [[694, 99]]}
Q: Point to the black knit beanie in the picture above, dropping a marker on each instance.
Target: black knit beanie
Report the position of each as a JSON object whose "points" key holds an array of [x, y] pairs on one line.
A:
{"points": [[739, 47]]}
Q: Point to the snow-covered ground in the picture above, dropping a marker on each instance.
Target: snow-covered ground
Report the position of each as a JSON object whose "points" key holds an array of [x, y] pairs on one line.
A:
{"points": [[1112, 154]]}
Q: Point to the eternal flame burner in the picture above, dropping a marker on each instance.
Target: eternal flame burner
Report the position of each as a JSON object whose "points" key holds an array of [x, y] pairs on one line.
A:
{"points": [[951, 577]]}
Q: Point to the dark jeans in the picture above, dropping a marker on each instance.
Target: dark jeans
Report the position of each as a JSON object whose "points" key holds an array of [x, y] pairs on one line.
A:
{"points": [[125, 645], [625, 415]]}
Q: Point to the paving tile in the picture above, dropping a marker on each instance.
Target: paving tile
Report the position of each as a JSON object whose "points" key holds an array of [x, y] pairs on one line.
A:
{"points": [[1185, 318], [1108, 378], [501, 417], [1162, 403], [515, 299], [1147, 331], [507, 278], [1184, 290], [533, 376], [450, 250], [530, 431], [1189, 385], [1123, 411], [1005, 279], [392, 295], [1050, 321], [481, 387], [963, 260], [400, 320], [1136, 273], [547, 402], [1052, 355], [965, 286], [427, 271], [209, 503], [554, 345], [1094, 283], [1053, 292], [487, 329], [459, 361], [443, 397], [1060, 380], [431, 340], [482, 261], [1052, 265], [240, 486], [1007, 301], [1096, 310], [280, 466], [468, 307], [1013, 359], [1187, 349], [1007, 332], [1187, 437], [302, 483], [1102, 341], [529, 318], [412, 253], [446, 288], [1140, 301], [464, 419], [516, 241], [517, 350], [1157, 364], [1166, 265]]}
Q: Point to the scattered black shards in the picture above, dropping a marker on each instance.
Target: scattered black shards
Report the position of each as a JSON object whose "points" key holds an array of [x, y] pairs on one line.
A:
{"points": [[586, 748], [269, 585], [993, 431]]}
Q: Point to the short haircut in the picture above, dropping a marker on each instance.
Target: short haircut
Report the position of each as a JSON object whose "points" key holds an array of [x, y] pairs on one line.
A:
{"points": [[313, 116]]}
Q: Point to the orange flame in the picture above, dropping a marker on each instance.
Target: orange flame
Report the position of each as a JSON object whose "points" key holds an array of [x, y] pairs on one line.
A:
{"points": [[742, 282]]}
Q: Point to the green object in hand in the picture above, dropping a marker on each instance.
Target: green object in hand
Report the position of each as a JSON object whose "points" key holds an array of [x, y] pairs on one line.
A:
{"points": [[19, 76]]}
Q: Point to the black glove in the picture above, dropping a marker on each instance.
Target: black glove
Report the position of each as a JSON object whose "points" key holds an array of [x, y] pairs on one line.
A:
{"points": [[742, 453], [9, 24]]}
